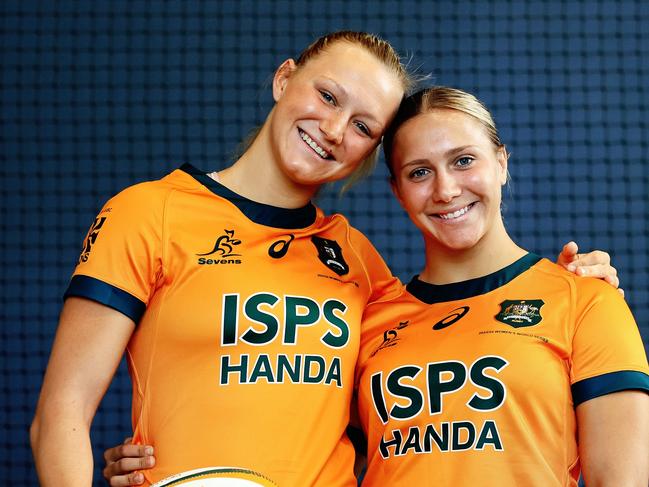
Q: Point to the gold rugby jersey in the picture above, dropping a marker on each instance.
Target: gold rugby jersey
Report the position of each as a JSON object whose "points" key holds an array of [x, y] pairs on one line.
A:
{"points": [[248, 326], [476, 382]]}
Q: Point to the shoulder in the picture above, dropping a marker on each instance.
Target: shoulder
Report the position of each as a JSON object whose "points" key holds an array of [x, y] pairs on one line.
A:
{"points": [[583, 288], [338, 224], [359, 239], [148, 199], [148, 192], [593, 302]]}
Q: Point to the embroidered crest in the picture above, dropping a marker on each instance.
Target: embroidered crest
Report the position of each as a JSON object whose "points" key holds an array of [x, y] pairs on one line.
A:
{"points": [[331, 255], [520, 313]]}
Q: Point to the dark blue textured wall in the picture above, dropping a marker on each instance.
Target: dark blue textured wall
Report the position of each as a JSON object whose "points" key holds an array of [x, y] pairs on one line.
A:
{"points": [[95, 96]]}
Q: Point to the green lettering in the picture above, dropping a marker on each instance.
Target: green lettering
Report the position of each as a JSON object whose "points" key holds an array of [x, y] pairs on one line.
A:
{"points": [[293, 319], [334, 374], [309, 362], [330, 339], [230, 319], [262, 369], [253, 313], [411, 393]]}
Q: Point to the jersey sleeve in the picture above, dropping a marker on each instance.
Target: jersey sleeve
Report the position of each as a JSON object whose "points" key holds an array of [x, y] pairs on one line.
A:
{"points": [[608, 354], [383, 285], [121, 258]]}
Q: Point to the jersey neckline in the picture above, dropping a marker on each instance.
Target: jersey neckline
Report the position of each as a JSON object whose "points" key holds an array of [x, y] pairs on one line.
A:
{"points": [[270, 216], [439, 293]]}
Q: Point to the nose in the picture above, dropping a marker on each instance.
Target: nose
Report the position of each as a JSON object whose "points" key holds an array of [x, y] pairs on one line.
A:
{"points": [[446, 186], [333, 126]]}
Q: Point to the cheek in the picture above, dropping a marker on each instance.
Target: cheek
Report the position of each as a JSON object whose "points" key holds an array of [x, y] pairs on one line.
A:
{"points": [[413, 197], [298, 101], [357, 148], [494, 190], [486, 183]]}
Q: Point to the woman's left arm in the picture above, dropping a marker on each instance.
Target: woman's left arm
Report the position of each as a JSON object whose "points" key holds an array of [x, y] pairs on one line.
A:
{"points": [[613, 435]]}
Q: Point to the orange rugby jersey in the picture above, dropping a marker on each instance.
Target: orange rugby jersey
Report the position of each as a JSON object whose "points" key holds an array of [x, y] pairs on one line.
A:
{"points": [[248, 325], [475, 383]]}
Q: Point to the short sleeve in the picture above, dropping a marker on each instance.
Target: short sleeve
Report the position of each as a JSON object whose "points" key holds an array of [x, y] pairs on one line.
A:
{"points": [[608, 355], [121, 259], [383, 285]]}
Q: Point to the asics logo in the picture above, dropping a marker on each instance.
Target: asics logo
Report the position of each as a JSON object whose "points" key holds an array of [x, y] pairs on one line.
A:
{"points": [[278, 249], [453, 316]]}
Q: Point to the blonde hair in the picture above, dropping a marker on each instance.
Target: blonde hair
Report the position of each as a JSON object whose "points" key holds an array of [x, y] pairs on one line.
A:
{"points": [[440, 98], [380, 48]]}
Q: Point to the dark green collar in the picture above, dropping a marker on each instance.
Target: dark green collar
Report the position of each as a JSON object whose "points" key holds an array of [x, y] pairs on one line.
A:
{"points": [[271, 216], [439, 293]]}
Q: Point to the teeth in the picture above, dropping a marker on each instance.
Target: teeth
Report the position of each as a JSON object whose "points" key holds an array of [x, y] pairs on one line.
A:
{"points": [[318, 150], [455, 214]]}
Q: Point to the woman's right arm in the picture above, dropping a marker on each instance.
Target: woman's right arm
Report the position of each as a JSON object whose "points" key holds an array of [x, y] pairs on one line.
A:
{"points": [[88, 347]]}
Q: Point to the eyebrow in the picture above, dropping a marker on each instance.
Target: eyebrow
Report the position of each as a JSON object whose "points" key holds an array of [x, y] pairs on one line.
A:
{"points": [[339, 87], [447, 154], [457, 150]]}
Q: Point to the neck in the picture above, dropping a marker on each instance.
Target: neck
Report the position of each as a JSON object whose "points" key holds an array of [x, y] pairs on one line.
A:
{"points": [[493, 252], [257, 177]]}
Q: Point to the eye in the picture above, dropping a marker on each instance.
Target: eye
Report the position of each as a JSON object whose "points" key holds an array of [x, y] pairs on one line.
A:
{"points": [[464, 161], [418, 173], [363, 128], [328, 97]]}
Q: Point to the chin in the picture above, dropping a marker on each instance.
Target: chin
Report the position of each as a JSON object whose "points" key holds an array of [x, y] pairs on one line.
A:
{"points": [[307, 173], [455, 243], [307, 179], [460, 246]]}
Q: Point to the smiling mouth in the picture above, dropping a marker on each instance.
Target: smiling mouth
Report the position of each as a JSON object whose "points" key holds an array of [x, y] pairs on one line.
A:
{"points": [[455, 214], [314, 146]]}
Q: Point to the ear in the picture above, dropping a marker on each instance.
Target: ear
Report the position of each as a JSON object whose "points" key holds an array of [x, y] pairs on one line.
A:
{"points": [[502, 157], [283, 73]]}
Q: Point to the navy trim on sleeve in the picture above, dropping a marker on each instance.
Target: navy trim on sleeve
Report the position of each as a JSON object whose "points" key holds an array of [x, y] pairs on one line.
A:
{"points": [[96, 290], [604, 384]]}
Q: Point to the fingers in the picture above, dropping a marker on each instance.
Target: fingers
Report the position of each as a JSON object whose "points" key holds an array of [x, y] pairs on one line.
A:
{"points": [[596, 257], [123, 471], [125, 480], [570, 249], [568, 254], [127, 450], [593, 264], [601, 271], [593, 259], [122, 462]]}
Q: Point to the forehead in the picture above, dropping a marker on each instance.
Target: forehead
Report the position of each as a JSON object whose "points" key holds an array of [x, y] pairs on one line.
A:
{"points": [[364, 77], [437, 132]]}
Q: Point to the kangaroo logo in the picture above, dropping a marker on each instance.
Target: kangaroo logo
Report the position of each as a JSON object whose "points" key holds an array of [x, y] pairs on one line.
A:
{"points": [[93, 233], [391, 337], [224, 245]]}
